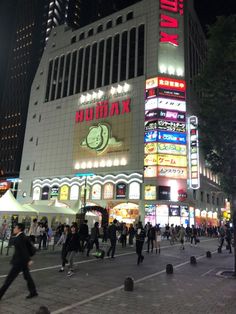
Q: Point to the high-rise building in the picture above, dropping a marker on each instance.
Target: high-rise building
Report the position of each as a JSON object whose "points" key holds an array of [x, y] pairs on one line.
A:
{"points": [[112, 119], [31, 23]]}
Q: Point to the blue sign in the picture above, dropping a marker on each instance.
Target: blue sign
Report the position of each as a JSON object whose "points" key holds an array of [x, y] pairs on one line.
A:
{"points": [[84, 174], [172, 137], [150, 136]]}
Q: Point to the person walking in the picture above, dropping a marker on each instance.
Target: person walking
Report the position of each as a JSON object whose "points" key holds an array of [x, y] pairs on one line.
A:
{"points": [[151, 238], [124, 233], [112, 229], [131, 234], [140, 238], [21, 261], [181, 236], [83, 235], [228, 238], [94, 238], [193, 235], [158, 241], [72, 246], [64, 250], [104, 237], [221, 237]]}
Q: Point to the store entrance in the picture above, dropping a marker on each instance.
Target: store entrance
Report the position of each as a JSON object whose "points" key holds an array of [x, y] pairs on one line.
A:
{"points": [[125, 212]]}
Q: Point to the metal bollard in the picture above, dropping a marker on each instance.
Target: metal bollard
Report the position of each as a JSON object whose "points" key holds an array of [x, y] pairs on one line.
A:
{"points": [[169, 269], [129, 284], [193, 260], [208, 254]]}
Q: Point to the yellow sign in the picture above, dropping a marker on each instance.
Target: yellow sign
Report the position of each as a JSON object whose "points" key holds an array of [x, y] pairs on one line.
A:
{"points": [[172, 172], [173, 149], [150, 160], [171, 160], [64, 193], [150, 193], [150, 148], [152, 82]]}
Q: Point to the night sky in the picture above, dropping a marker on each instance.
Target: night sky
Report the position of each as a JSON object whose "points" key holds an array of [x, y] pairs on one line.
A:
{"points": [[208, 10]]}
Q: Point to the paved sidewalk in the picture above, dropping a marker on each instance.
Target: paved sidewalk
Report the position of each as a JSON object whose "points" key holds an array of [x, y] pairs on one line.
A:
{"points": [[97, 286]]}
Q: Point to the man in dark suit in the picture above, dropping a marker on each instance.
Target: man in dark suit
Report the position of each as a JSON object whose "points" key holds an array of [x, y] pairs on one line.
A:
{"points": [[21, 261], [112, 236]]}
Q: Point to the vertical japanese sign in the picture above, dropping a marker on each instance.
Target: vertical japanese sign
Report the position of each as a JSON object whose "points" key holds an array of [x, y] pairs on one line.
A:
{"points": [[194, 174]]}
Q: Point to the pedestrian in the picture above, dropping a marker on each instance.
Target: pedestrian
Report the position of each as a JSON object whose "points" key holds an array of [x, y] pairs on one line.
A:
{"points": [[221, 237], [72, 246], [131, 234], [151, 238], [94, 238], [181, 236], [112, 229], [124, 233], [21, 261], [83, 235], [140, 238], [193, 235], [228, 238], [104, 228], [158, 241], [33, 232], [64, 250]]}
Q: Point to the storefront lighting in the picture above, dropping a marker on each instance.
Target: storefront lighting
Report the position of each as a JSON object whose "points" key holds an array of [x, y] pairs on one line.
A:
{"points": [[119, 89], [96, 164], [163, 69], [82, 98], [83, 165], [126, 87], [123, 162], [171, 70], [113, 90], [94, 95], [116, 162], [103, 163], [100, 94], [89, 164], [88, 97], [77, 166], [179, 72], [109, 163]]}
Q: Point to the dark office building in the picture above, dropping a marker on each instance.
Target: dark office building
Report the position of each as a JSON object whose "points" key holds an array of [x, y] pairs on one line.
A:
{"points": [[31, 23]]}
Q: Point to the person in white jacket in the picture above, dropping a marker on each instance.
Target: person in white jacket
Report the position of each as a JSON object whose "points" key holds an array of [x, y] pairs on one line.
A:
{"points": [[64, 251]]}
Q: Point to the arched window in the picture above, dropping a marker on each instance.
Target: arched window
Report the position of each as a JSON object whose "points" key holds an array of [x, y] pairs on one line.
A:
{"points": [[134, 191], [96, 192], [36, 194], [45, 192], [74, 193], [108, 192]]}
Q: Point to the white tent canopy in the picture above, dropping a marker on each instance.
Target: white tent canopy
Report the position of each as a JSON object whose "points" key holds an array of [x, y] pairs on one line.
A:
{"points": [[8, 204], [52, 210]]}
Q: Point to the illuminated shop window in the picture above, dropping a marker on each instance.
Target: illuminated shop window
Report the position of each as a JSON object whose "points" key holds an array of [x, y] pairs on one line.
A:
{"points": [[108, 192], [74, 193], [96, 192], [54, 193], [134, 191], [150, 193], [36, 193], [64, 193]]}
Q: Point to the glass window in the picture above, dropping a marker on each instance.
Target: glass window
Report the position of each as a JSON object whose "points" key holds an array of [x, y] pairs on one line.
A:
{"points": [[119, 20], [90, 32], [100, 28], [129, 16], [54, 79], [79, 70], [72, 74], [115, 58], [93, 66], [108, 61], [86, 67], [123, 56], [109, 24], [208, 198], [140, 50], [66, 78], [36, 194], [100, 63], [202, 196], [45, 192], [132, 53], [73, 40], [81, 36], [49, 79], [74, 193], [108, 192], [61, 68]]}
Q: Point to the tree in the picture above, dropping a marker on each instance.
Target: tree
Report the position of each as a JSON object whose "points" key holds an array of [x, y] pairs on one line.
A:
{"points": [[217, 86]]}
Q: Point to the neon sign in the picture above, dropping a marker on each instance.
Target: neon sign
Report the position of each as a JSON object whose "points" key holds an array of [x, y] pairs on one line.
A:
{"points": [[171, 126], [171, 160], [150, 136], [172, 172], [171, 104], [194, 174], [175, 149], [170, 22], [172, 137], [103, 110]]}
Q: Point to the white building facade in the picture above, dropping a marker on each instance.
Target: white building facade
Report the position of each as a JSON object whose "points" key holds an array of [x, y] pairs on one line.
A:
{"points": [[111, 119]]}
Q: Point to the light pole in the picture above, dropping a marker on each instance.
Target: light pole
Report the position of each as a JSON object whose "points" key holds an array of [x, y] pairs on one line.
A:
{"points": [[85, 176]]}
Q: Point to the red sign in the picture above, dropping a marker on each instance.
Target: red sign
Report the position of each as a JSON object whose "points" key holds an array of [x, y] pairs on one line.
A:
{"points": [[171, 83], [103, 110], [170, 22], [5, 185]]}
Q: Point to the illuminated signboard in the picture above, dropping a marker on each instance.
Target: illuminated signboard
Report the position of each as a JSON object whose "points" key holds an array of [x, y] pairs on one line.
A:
{"points": [[150, 193], [134, 191], [171, 83], [150, 136], [152, 92], [194, 174], [171, 115], [172, 172], [150, 148], [175, 149], [54, 191], [108, 192], [184, 211], [171, 160], [170, 93], [103, 110], [74, 192], [162, 210], [36, 194], [151, 83], [150, 171], [151, 114], [151, 125], [4, 185], [171, 126], [174, 210], [96, 192], [150, 160], [151, 104], [170, 104], [120, 190], [64, 193], [172, 137]]}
